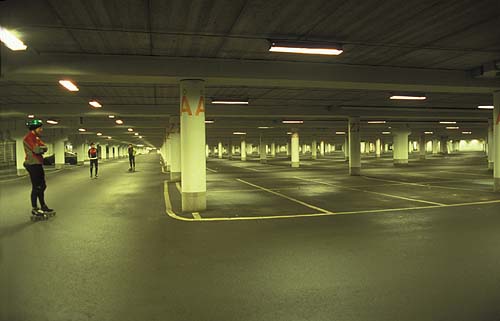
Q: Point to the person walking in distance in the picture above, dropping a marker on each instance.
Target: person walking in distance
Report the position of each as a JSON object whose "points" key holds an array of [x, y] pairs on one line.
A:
{"points": [[34, 149], [93, 159], [131, 157]]}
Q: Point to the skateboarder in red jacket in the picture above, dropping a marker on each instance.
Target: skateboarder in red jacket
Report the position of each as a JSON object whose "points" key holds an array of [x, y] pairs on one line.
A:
{"points": [[34, 149]]}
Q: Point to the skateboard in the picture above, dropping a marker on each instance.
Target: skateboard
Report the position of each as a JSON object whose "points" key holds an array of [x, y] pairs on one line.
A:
{"points": [[43, 217]]}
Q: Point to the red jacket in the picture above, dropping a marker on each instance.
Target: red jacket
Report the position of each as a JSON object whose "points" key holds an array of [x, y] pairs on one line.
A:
{"points": [[34, 147]]}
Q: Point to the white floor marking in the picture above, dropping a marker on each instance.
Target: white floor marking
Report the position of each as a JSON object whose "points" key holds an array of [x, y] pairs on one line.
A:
{"points": [[284, 196], [212, 170], [372, 192], [426, 185]]}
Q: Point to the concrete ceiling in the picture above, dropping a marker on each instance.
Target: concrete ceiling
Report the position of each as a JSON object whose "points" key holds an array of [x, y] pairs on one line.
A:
{"points": [[130, 55]]}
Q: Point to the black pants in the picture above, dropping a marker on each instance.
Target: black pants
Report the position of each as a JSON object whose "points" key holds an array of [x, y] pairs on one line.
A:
{"points": [[131, 160], [93, 162], [37, 176]]}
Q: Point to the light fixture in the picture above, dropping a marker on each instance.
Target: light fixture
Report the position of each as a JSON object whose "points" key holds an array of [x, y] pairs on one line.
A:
{"points": [[209, 121], [408, 97], [82, 130], [68, 85], [140, 136], [229, 102], [485, 107], [130, 129], [11, 41], [339, 133], [264, 127], [467, 133], [111, 116], [452, 127], [310, 48], [376, 122], [95, 103], [136, 134], [119, 121], [99, 134], [52, 122], [289, 133], [31, 116], [428, 133], [109, 137], [448, 122], [239, 133], [140, 145], [386, 133], [293, 121]]}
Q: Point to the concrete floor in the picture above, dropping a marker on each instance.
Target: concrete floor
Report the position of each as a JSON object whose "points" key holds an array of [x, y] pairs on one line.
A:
{"points": [[422, 244]]}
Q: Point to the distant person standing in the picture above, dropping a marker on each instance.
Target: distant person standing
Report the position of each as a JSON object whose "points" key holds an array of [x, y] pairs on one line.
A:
{"points": [[131, 157], [93, 159], [34, 149]]}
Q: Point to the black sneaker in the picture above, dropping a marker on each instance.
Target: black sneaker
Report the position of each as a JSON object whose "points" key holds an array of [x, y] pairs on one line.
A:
{"points": [[37, 212], [46, 209]]}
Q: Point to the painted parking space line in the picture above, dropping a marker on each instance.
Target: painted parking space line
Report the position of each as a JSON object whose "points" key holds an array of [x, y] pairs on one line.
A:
{"points": [[470, 174], [252, 190], [212, 170], [284, 196], [196, 216], [173, 215], [429, 186], [247, 168], [372, 192]]}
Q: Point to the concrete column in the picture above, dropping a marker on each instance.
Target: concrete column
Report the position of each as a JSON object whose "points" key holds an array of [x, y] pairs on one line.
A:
{"points": [[287, 149], [314, 149], [400, 146], [422, 146], [354, 147], [491, 145], [273, 150], [378, 147], [193, 166], [322, 148], [175, 152], [386, 148], [219, 150], [243, 150], [232, 150], [295, 149], [20, 156], [435, 146], [81, 152], [444, 145], [104, 152], [346, 147], [59, 152], [207, 151], [496, 141], [262, 151]]}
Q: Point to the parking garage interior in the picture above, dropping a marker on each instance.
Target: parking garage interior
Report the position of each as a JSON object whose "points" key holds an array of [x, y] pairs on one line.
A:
{"points": [[355, 176]]}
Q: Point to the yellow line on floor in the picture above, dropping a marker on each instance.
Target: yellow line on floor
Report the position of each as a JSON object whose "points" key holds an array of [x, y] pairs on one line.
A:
{"points": [[371, 192], [173, 215], [284, 196], [196, 216]]}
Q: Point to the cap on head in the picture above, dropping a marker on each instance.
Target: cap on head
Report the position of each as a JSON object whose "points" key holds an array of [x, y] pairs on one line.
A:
{"points": [[92, 144], [33, 124]]}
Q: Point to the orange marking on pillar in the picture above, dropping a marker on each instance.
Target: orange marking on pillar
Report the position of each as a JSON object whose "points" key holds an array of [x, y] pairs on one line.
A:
{"points": [[201, 106], [185, 106]]}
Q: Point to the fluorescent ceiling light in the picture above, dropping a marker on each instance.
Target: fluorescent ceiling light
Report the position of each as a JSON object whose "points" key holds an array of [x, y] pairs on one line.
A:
{"points": [[309, 48], [82, 130], [111, 116], [467, 133], [386, 133], [209, 121], [68, 85], [453, 127], [289, 133], [140, 145], [119, 121], [95, 104], [11, 41], [130, 129], [376, 122], [485, 107], [428, 133], [52, 122], [264, 127], [293, 122], [136, 134], [339, 133], [230, 102], [239, 133], [140, 136], [109, 137], [448, 122], [99, 134], [405, 97]]}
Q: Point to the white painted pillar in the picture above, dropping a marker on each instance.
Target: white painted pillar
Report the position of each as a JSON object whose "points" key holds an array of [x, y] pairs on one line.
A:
{"points": [[314, 150], [175, 152], [20, 156], [287, 149], [422, 146], [378, 147], [262, 151], [444, 145], [219, 150], [207, 151], [354, 147], [81, 153], [243, 150], [59, 152], [496, 141], [193, 166], [435, 146], [322, 148], [346, 147], [273, 150], [491, 145], [400, 146], [295, 149], [104, 152]]}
